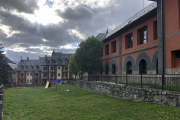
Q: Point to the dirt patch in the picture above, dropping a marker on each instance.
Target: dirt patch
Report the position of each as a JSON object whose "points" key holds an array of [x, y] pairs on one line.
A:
{"points": [[18, 87]]}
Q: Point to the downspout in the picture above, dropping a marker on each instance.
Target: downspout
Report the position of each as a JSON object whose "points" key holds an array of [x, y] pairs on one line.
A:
{"points": [[163, 33]]}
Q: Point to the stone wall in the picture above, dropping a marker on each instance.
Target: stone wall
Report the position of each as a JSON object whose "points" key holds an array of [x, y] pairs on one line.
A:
{"points": [[147, 95]]}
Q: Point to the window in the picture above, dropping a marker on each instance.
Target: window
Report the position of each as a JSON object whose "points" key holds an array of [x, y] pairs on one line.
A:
{"points": [[27, 81], [21, 81], [22, 74], [107, 49], [101, 70], [177, 54], [22, 67], [51, 68], [36, 74], [60, 61], [44, 75], [58, 68], [30, 80], [113, 69], [157, 66], [44, 68], [58, 74], [27, 74], [37, 67], [113, 46], [142, 67], [129, 68], [51, 74], [129, 40], [155, 29], [106, 69], [66, 68], [30, 74], [143, 35]]}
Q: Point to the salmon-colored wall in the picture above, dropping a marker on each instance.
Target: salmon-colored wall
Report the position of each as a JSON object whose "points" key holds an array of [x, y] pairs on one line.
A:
{"points": [[110, 49], [172, 25], [150, 52], [171, 15], [172, 43], [134, 30], [109, 60]]}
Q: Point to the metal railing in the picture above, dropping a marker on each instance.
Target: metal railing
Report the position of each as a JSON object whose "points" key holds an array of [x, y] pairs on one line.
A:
{"points": [[36, 76], [44, 77], [65, 70], [21, 76], [163, 81], [44, 70], [51, 70]]}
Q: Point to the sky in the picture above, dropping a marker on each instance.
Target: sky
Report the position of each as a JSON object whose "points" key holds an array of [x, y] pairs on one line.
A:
{"points": [[33, 28]]}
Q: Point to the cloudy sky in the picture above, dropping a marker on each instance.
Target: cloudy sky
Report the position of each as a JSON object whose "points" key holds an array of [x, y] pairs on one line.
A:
{"points": [[33, 28]]}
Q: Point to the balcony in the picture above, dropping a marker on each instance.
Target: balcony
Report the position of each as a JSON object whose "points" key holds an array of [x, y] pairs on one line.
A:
{"points": [[52, 78], [65, 77], [44, 77], [65, 70], [36, 76], [21, 77], [51, 70], [44, 70]]}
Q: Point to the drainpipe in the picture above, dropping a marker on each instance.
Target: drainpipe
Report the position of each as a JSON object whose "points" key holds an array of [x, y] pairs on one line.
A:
{"points": [[163, 33]]}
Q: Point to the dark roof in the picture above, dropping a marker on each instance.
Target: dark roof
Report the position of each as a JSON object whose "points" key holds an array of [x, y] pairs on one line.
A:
{"points": [[30, 65], [8, 60], [101, 36], [140, 14]]}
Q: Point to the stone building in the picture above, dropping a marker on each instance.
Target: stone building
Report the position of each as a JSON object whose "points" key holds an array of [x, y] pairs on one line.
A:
{"points": [[147, 43], [45, 68]]}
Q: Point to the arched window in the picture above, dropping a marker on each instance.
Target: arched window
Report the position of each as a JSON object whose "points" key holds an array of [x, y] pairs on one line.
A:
{"points": [[113, 69], [157, 66], [142, 67], [101, 70], [106, 69], [129, 68]]}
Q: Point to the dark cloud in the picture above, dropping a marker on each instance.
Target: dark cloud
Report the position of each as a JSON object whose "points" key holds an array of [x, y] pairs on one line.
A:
{"points": [[27, 6], [79, 12], [34, 53], [86, 20]]}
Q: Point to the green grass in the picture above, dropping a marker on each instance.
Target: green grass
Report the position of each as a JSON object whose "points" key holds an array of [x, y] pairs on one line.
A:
{"points": [[46, 104]]}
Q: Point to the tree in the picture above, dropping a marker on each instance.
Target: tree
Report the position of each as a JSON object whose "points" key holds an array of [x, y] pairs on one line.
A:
{"points": [[4, 74], [88, 55], [73, 69]]}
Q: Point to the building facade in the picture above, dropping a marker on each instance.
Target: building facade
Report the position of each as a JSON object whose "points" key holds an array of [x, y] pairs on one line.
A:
{"points": [[45, 68], [147, 43]]}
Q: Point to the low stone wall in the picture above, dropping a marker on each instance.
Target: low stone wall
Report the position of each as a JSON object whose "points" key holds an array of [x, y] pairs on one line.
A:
{"points": [[147, 95]]}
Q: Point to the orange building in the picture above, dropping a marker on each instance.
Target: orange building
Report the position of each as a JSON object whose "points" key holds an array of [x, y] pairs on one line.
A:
{"points": [[147, 43]]}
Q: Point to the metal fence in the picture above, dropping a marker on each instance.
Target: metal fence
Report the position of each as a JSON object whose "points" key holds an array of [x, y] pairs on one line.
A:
{"points": [[164, 82]]}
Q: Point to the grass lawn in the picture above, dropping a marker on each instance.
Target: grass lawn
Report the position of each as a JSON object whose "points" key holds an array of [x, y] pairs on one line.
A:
{"points": [[46, 104]]}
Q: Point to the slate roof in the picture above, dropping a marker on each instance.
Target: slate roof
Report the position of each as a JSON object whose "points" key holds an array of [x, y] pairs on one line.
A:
{"points": [[101, 36], [8, 60], [13, 66], [133, 18], [30, 65]]}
